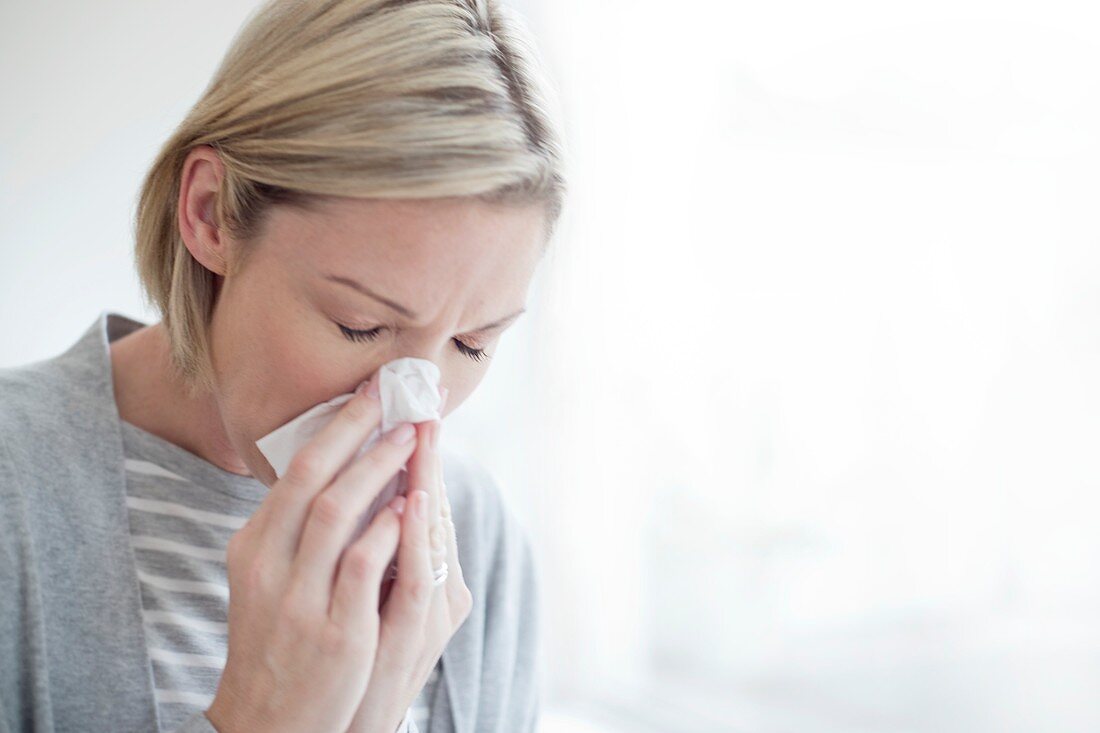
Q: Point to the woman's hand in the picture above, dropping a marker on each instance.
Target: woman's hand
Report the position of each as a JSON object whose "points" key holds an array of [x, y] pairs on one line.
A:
{"points": [[303, 611], [417, 618]]}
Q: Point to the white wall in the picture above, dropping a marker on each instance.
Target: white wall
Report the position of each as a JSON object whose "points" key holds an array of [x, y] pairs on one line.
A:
{"points": [[90, 90], [826, 453]]}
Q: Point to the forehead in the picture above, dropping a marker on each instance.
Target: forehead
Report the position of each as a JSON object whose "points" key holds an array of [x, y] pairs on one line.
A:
{"points": [[412, 245], [407, 230]]}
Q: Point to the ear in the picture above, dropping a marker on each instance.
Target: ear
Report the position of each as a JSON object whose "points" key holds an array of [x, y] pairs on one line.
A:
{"points": [[200, 181]]}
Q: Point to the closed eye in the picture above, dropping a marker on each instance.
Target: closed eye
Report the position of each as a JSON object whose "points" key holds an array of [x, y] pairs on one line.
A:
{"points": [[363, 336]]}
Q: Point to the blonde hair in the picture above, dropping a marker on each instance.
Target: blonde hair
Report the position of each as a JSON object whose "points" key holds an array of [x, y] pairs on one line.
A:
{"points": [[361, 98]]}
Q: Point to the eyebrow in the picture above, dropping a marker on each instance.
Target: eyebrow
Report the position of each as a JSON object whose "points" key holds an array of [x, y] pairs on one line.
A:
{"points": [[364, 290]]}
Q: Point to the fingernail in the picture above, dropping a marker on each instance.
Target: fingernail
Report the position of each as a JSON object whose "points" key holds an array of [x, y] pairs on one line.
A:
{"points": [[435, 432], [421, 504], [401, 434], [398, 505]]}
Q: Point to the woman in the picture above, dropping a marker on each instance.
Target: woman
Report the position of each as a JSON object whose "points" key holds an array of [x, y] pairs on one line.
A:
{"points": [[362, 180]]}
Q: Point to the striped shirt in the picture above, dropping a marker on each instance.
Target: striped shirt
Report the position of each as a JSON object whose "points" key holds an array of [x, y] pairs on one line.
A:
{"points": [[182, 511]]}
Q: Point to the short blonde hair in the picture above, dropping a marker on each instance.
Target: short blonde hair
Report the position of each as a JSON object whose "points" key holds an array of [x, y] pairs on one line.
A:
{"points": [[360, 98]]}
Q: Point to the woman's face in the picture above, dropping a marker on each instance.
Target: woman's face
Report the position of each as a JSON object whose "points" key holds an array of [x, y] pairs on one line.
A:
{"points": [[327, 297]]}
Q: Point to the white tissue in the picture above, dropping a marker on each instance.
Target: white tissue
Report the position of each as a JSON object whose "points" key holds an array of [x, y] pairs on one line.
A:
{"points": [[409, 392]]}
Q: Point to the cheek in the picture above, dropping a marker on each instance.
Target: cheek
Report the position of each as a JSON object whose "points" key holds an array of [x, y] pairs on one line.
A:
{"points": [[289, 369], [296, 367], [459, 389], [283, 344]]}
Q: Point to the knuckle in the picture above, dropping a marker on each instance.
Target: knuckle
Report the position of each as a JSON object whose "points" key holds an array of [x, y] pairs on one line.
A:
{"points": [[295, 617], [437, 538], [358, 411], [328, 510], [362, 562], [368, 462], [421, 590], [387, 452], [465, 600], [335, 640], [461, 601], [305, 466]]}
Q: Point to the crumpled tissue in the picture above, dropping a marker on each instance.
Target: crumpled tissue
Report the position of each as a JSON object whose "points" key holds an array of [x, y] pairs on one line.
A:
{"points": [[409, 392]]}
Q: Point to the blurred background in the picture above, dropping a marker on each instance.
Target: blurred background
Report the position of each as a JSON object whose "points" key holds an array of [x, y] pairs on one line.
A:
{"points": [[803, 418]]}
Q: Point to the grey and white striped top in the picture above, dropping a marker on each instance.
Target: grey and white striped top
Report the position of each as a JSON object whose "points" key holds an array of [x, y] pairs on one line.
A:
{"points": [[182, 511]]}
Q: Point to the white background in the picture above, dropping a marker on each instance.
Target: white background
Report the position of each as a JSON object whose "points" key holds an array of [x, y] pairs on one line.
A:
{"points": [[804, 415]]}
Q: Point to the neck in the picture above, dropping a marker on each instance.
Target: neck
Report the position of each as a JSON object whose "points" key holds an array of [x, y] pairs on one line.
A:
{"points": [[149, 395]]}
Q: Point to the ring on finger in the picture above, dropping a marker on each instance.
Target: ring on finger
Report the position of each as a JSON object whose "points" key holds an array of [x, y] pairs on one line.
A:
{"points": [[439, 574]]}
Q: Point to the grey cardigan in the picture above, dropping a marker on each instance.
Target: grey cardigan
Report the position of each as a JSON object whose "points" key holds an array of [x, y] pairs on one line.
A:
{"points": [[72, 647]]}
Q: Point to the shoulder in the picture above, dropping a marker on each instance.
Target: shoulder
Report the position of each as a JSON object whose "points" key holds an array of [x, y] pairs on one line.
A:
{"points": [[57, 426], [21, 388], [67, 397], [49, 397], [60, 411], [39, 436], [33, 398]]}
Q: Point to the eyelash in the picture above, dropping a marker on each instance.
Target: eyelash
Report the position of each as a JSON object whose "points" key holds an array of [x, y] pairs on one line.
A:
{"points": [[361, 336]]}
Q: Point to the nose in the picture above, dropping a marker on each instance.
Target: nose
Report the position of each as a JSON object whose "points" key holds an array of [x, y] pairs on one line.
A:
{"points": [[420, 353], [421, 344]]}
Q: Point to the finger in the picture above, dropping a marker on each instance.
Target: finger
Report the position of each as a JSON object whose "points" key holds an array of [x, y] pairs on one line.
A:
{"points": [[398, 506], [411, 595], [427, 478], [454, 576], [358, 579], [314, 466], [449, 533], [337, 512], [431, 483]]}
